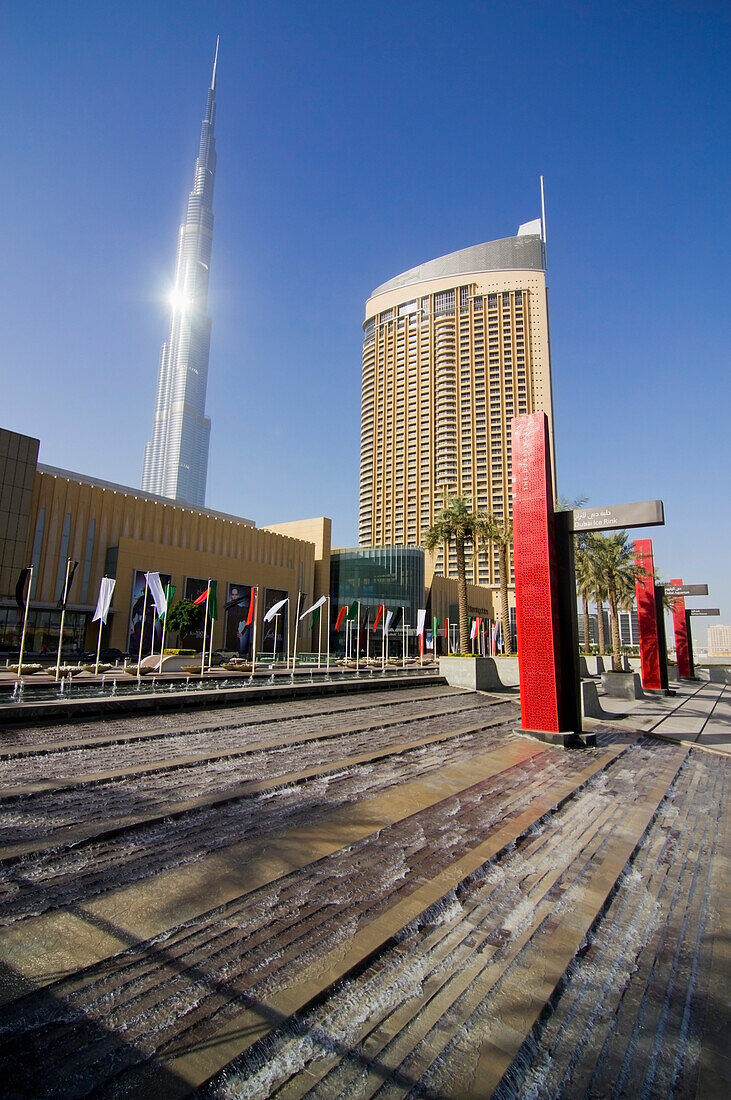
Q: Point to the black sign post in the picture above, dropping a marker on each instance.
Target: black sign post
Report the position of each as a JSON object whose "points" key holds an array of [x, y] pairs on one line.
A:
{"points": [[695, 611]]}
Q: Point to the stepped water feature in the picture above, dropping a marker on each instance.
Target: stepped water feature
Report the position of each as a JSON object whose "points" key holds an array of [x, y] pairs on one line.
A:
{"points": [[382, 894]]}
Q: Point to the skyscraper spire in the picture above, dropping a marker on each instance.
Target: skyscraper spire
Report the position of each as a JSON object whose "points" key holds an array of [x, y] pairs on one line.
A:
{"points": [[176, 458]]}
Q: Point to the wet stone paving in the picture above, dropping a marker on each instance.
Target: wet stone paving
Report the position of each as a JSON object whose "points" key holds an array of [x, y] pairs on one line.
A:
{"points": [[392, 896]]}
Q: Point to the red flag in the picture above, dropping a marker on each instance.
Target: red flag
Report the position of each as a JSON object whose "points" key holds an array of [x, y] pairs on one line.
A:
{"points": [[252, 601], [341, 615], [446, 629], [203, 596], [379, 615]]}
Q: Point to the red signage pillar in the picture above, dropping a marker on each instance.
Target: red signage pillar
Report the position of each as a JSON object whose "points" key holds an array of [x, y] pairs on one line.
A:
{"points": [[651, 659], [548, 700], [680, 627]]}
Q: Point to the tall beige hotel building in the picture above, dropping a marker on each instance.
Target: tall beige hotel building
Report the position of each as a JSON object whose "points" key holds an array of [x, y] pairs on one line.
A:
{"points": [[452, 350]]}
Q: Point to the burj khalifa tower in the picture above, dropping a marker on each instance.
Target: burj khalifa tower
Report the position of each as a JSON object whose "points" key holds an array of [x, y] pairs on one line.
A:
{"points": [[176, 458]]}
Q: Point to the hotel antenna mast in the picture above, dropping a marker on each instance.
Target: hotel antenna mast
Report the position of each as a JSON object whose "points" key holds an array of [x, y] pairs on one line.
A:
{"points": [[176, 458]]}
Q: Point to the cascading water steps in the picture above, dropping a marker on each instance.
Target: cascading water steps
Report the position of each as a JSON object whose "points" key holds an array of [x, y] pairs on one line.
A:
{"points": [[382, 896]]}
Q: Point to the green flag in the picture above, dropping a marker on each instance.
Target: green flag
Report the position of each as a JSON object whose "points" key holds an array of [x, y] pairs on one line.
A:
{"points": [[353, 611], [169, 593], [315, 618], [435, 626], [212, 605]]}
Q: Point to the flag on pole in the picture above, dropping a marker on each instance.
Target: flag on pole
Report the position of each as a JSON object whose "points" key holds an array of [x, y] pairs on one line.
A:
{"points": [[379, 615], [341, 615], [388, 622], [435, 627], [106, 588], [203, 596], [397, 617], [473, 630], [61, 605], [169, 593], [275, 609], [315, 607], [20, 587], [420, 620], [213, 602], [252, 607], [353, 611], [446, 629], [158, 594]]}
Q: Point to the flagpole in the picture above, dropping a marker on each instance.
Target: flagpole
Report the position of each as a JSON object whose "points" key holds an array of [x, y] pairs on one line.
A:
{"points": [[383, 641], [63, 616], [205, 631], [328, 637], [368, 640], [25, 621], [274, 651], [142, 631], [296, 632], [98, 648], [357, 640], [253, 643], [319, 639], [403, 636], [210, 649], [162, 640]]}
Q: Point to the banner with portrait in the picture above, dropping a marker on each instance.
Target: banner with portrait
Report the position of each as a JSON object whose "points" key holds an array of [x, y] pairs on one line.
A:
{"points": [[238, 633]]}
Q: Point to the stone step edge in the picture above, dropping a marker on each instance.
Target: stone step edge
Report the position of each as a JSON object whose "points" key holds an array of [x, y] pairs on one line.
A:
{"points": [[439, 992], [566, 939], [37, 951], [194, 1068], [90, 779], [100, 707], [80, 834], [216, 726]]}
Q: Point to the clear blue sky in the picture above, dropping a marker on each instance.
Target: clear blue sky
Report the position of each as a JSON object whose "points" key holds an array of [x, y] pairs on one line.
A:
{"points": [[356, 140]]}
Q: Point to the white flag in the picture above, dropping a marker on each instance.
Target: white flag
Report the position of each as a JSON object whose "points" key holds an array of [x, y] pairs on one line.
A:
{"points": [[273, 610], [158, 592], [387, 624], [320, 602], [421, 620], [105, 598]]}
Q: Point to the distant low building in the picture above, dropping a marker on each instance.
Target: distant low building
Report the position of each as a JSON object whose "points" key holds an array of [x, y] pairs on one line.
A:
{"points": [[719, 641]]}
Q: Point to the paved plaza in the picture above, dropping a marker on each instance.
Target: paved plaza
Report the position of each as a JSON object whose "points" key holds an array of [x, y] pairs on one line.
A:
{"points": [[366, 893]]}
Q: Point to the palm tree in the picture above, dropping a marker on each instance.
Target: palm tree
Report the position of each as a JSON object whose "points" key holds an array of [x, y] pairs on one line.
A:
{"points": [[457, 522], [584, 585], [615, 566], [499, 532]]}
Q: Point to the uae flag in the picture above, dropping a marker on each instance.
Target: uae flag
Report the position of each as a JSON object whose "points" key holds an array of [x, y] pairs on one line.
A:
{"points": [[397, 617], [353, 611], [252, 606], [379, 616]]}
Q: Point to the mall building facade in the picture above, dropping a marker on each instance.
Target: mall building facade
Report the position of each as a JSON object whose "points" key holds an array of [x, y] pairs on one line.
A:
{"points": [[49, 515]]}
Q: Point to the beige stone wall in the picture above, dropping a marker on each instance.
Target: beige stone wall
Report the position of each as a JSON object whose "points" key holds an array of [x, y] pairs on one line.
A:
{"points": [[318, 531], [18, 457], [443, 593]]}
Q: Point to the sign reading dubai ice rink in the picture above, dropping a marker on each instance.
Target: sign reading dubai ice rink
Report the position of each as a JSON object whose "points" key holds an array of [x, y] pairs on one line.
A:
{"points": [[643, 513]]}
